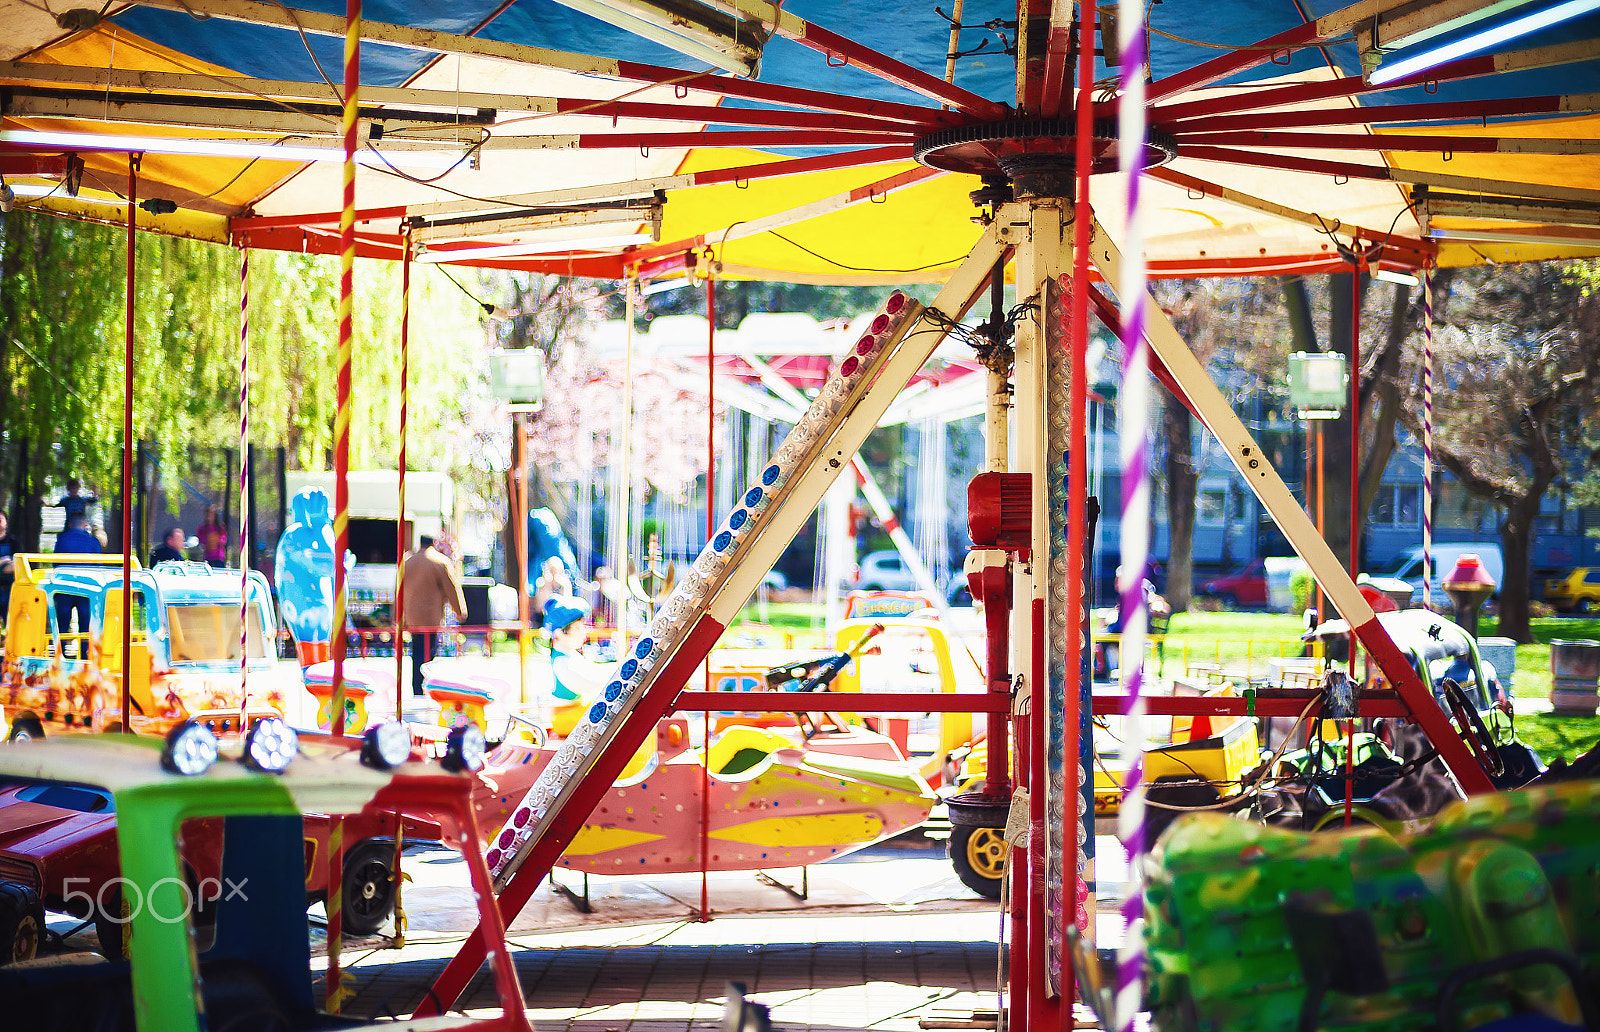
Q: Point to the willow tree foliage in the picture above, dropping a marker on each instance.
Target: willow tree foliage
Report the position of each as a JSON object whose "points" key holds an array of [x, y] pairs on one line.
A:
{"points": [[62, 332]]}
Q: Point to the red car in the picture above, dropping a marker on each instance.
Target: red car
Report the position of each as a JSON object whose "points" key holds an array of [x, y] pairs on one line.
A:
{"points": [[1245, 589], [58, 843]]}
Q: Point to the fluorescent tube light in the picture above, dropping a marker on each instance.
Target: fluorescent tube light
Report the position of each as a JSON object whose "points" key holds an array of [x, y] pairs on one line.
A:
{"points": [[1390, 276], [1495, 237], [1484, 39], [218, 148]]}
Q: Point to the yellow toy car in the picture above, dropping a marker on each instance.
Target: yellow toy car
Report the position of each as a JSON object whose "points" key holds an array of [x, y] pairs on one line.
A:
{"points": [[1578, 591]]}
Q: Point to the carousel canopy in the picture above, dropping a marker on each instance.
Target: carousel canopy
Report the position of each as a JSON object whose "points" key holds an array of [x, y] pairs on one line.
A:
{"points": [[816, 142]]}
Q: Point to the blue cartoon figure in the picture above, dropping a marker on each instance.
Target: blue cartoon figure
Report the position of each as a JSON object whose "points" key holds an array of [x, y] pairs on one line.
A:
{"points": [[305, 575]]}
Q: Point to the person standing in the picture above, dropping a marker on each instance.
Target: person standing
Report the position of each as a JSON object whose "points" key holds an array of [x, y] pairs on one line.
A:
{"points": [[213, 539], [429, 583], [75, 502], [8, 548], [170, 549], [75, 540]]}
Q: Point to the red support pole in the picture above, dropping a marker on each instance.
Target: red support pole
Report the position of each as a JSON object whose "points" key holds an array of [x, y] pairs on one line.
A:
{"points": [[1077, 494], [1044, 1010], [400, 542], [711, 528], [1355, 430], [127, 458]]}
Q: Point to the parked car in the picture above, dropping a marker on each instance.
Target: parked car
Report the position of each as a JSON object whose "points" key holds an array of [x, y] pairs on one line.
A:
{"points": [[1407, 566], [1577, 591], [884, 571], [1247, 587]]}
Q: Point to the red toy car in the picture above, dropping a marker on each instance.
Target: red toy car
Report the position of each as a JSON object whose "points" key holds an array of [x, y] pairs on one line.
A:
{"points": [[59, 844]]}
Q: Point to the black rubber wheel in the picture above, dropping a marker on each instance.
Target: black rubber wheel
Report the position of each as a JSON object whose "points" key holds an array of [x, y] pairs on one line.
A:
{"points": [[1585, 606], [21, 922], [111, 921], [368, 886], [26, 729], [1229, 600], [871, 587], [979, 857]]}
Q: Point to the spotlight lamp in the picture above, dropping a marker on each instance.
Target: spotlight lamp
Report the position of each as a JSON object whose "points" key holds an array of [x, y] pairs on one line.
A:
{"points": [[190, 750], [270, 745], [464, 750], [386, 746]]}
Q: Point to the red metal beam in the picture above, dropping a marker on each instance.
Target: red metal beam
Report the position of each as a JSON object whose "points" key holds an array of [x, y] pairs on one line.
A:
{"points": [[1395, 247], [791, 96], [833, 702], [1315, 166], [1385, 114], [1057, 48], [1386, 142], [256, 223], [1267, 703], [849, 52], [1219, 68], [751, 138], [795, 166], [779, 118], [26, 164]]}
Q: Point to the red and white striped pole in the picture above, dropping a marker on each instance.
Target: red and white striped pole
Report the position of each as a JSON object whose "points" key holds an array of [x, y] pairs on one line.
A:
{"points": [[341, 471], [244, 474]]}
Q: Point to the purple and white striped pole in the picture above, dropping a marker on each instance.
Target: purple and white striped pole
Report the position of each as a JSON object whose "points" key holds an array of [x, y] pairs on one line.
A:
{"points": [[1427, 437], [1133, 419], [244, 475]]}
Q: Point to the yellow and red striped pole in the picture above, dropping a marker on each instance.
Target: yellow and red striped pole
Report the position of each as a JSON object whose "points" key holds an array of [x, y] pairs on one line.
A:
{"points": [[341, 470]]}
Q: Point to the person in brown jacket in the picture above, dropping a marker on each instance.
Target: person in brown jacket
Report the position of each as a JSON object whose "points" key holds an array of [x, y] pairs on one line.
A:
{"points": [[430, 583]]}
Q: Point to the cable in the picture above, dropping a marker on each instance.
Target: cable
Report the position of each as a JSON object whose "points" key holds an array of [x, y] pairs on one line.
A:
{"points": [[488, 308], [858, 268]]}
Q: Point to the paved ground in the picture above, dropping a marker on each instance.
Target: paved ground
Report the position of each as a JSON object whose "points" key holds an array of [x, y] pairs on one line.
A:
{"points": [[885, 938]]}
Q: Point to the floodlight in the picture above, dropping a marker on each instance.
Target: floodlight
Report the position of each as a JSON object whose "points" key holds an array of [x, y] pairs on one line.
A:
{"points": [[191, 749], [270, 745], [386, 745], [464, 750]]}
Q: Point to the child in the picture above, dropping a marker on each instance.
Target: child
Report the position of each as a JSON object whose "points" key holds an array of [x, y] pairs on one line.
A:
{"points": [[577, 679]]}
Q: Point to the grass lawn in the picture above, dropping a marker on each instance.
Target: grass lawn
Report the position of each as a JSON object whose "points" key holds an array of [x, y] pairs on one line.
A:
{"points": [[1250, 638]]}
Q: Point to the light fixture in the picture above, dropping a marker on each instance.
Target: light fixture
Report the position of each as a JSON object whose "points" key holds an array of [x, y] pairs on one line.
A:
{"points": [[159, 206], [464, 749], [1376, 47], [191, 749], [386, 745], [1435, 205], [270, 745], [220, 148], [1390, 276], [1318, 383], [1531, 236], [8, 197], [533, 247], [697, 30], [663, 286]]}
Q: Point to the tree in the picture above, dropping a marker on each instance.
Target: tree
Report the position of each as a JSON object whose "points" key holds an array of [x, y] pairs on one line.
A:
{"points": [[1516, 375], [61, 356], [1380, 389]]}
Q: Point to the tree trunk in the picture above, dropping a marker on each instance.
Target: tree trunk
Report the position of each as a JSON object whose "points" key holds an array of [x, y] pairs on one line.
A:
{"points": [[1182, 480], [1339, 454], [1516, 534]]}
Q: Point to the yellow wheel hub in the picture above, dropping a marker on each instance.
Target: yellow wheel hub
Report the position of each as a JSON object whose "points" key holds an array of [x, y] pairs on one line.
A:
{"points": [[986, 853]]}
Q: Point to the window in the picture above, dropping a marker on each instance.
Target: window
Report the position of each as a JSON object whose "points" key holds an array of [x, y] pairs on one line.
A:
{"points": [[1592, 575], [1397, 505], [1211, 506], [202, 633]]}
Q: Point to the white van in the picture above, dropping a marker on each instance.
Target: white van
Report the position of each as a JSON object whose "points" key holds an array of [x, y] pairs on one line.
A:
{"points": [[1407, 566]]}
